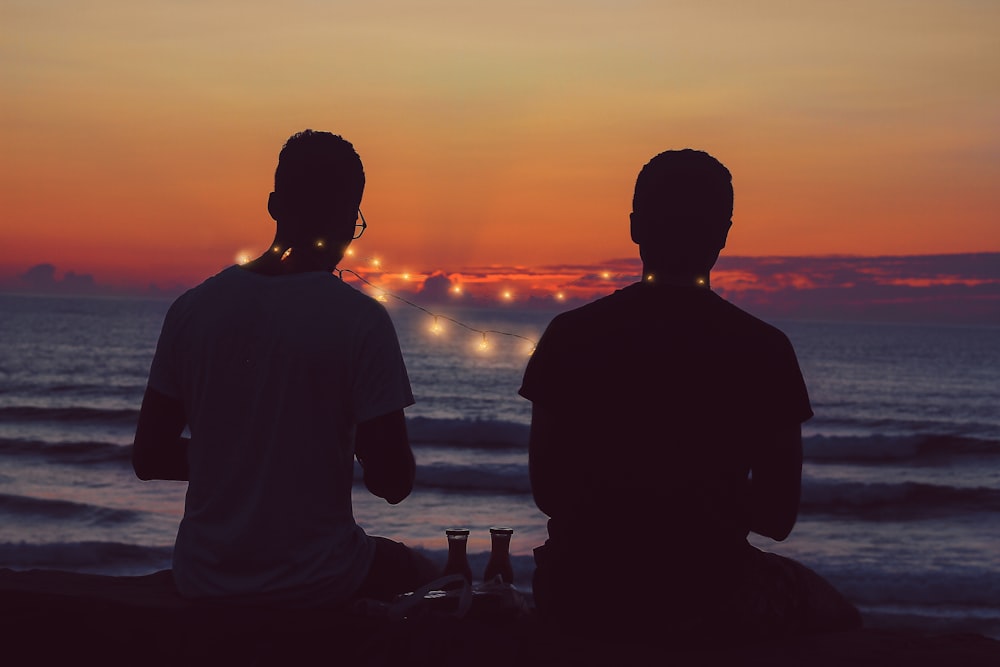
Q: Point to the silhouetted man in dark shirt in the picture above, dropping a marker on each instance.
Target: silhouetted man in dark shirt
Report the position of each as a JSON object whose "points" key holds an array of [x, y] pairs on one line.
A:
{"points": [[666, 425]]}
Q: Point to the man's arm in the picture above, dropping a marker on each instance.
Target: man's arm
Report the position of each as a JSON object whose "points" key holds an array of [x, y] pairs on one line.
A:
{"points": [[382, 447], [776, 484], [556, 482], [159, 451]]}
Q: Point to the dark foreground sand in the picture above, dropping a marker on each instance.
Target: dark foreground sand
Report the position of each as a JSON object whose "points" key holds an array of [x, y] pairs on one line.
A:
{"points": [[51, 617]]}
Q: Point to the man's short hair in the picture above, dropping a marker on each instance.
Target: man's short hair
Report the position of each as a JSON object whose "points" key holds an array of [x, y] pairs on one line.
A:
{"points": [[684, 187], [320, 164]]}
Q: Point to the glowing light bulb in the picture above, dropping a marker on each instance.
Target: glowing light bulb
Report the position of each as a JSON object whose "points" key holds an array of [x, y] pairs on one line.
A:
{"points": [[285, 255], [700, 281], [436, 328], [276, 249], [381, 297], [350, 252], [457, 289], [484, 344], [507, 296], [649, 278], [243, 258], [560, 296], [406, 276], [376, 263], [606, 275], [320, 244]]}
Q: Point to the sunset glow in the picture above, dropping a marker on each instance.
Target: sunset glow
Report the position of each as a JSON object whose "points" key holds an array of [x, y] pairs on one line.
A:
{"points": [[140, 139]]}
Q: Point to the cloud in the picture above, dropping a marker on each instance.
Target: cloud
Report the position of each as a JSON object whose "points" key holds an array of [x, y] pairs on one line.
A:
{"points": [[40, 276], [45, 278], [960, 288], [436, 288], [42, 279], [954, 288]]}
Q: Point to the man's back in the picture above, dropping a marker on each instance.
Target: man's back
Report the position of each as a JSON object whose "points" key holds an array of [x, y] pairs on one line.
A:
{"points": [[661, 390], [274, 372]]}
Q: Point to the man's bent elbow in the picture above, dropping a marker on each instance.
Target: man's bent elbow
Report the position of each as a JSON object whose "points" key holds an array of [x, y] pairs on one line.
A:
{"points": [[778, 529], [393, 496], [393, 491], [396, 498], [141, 467], [779, 535]]}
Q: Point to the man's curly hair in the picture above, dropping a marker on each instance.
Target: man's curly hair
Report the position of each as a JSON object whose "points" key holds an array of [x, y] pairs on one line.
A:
{"points": [[684, 185], [314, 162]]}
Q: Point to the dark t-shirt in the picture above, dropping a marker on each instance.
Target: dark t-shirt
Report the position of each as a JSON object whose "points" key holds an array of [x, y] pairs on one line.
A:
{"points": [[658, 392]]}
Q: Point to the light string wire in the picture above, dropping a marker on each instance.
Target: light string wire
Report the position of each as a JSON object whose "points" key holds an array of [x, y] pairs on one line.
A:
{"points": [[437, 316]]}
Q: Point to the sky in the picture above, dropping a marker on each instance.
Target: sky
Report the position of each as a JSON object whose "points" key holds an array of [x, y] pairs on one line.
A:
{"points": [[138, 140]]}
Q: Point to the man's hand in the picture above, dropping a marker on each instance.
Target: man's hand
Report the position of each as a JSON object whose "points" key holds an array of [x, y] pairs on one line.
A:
{"points": [[159, 451], [382, 447]]}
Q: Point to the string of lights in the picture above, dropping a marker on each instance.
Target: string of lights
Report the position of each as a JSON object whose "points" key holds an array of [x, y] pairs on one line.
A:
{"points": [[435, 328]]}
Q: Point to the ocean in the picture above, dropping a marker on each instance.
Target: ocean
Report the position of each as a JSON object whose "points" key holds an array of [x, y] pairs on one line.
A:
{"points": [[901, 483]]}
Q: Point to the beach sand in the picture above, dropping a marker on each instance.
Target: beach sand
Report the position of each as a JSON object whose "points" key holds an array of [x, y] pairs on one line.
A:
{"points": [[54, 617]]}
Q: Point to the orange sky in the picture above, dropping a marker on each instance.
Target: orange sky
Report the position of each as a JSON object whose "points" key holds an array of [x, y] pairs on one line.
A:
{"points": [[138, 140]]}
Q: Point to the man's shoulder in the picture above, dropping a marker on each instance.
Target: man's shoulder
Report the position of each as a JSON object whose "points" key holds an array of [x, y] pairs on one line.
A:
{"points": [[236, 289], [190, 297], [319, 284], [682, 303], [225, 277], [599, 310], [640, 305], [745, 323]]}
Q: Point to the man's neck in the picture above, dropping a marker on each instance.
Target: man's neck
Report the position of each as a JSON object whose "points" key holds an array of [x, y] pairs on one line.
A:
{"points": [[652, 276], [286, 259]]}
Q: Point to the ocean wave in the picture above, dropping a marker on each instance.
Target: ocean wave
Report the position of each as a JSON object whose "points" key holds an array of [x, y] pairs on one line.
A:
{"points": [[902, 501], [875, 449], [885, 583], [881, 448], [867, 501], [31, 413], [957, 420], [472, 433], [114, 558], [28, 507], [498, 435], [504, 479], [82, 452]]}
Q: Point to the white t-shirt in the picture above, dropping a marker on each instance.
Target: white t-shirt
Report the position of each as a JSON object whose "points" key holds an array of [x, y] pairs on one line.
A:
{"points": [[274, 373]]}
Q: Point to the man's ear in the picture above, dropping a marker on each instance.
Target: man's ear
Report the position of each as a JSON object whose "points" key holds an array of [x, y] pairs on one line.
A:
{"points": [[274, 206], [724, 234], [636, 227]]}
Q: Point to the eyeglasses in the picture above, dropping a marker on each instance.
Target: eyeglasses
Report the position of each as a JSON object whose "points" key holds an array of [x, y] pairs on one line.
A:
{"points": [[360, 229]]}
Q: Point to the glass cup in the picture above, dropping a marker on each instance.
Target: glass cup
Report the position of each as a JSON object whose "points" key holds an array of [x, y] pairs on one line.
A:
{"points": [[499, 565], [458, 559]]}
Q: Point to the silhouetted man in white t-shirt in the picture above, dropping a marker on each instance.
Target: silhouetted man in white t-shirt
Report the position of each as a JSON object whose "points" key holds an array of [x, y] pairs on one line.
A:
{"points": [[283, 375]]}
